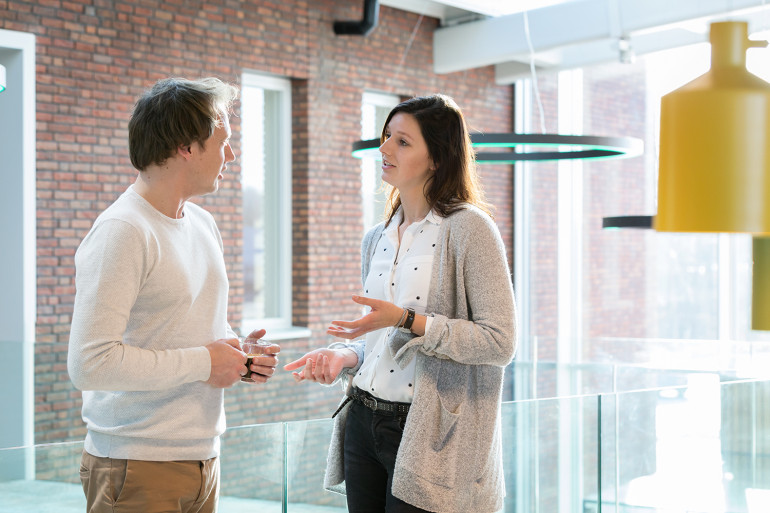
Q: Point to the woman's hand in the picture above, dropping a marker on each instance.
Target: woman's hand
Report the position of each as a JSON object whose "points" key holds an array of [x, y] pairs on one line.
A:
{"points": [[382, 315], [322, 365]]}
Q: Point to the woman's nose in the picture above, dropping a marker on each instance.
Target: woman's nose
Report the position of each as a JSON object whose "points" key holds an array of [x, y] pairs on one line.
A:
{"points": [[384, 146]]}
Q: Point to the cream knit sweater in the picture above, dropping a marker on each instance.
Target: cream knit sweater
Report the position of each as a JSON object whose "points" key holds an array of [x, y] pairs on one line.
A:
{"points": [[151, 293]]}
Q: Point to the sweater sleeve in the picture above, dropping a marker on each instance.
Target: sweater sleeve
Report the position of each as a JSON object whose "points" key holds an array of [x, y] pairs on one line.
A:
{"points": [[483, 283], [111, 264]]}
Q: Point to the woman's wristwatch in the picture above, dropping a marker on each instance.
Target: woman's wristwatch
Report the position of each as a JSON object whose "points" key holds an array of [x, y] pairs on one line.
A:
{"points": [[407, 326]]}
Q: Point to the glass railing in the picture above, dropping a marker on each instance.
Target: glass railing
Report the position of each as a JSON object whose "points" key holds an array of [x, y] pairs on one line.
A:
{"points": [[746, 357], [583, 438]]}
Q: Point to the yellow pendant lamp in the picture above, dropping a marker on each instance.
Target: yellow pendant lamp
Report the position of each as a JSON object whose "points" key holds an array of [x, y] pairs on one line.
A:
{"points": [[760, 293], [714, 173]]}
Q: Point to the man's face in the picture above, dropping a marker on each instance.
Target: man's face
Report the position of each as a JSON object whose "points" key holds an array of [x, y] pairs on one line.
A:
{"points": [[210, 159]]}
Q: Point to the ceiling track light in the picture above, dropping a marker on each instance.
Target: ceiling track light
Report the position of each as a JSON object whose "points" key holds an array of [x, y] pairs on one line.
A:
{"points": [[617, 222]]}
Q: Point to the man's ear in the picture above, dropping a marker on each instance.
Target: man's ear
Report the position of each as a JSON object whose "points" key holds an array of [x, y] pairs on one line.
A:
{"points": [[185, 151]]}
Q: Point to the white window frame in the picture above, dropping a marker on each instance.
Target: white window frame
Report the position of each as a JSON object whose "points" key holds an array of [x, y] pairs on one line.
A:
{"points": [[280, 326], [18, 264]]}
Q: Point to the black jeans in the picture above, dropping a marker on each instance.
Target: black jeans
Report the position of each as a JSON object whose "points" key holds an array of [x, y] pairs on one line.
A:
{"points": [[371, 444]]}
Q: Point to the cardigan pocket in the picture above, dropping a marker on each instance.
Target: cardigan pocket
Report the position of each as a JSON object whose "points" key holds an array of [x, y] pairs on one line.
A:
{"points": [[446, 428], [434, 446], [437, 462], [446, 447]]}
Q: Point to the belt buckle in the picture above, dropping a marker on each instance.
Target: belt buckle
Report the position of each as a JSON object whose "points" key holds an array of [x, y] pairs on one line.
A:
{"points": [[373, 403]]}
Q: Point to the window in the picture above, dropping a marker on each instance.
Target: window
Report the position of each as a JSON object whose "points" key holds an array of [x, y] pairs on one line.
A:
{"points": [[266, 195], [18, 272], [589, 295], [375, 108], [586, 289]]}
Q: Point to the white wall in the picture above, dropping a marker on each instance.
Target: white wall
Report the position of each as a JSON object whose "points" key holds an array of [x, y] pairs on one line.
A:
{"points": [[17, 248]]}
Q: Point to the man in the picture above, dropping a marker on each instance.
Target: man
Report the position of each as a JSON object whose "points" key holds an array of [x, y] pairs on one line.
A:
{"points": [[150, 345]]}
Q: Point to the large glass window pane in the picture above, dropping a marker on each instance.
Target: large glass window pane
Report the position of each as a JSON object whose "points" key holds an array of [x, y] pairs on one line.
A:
{"points": [[265, 173], [583, 288], [640, 283], [536, 246]]}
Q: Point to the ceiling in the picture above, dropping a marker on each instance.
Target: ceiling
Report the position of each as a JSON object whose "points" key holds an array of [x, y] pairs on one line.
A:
{"points": [[566, 34]]}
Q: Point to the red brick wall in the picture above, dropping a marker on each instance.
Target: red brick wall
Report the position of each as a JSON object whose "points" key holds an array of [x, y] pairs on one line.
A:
{"points": [[95, 57]]}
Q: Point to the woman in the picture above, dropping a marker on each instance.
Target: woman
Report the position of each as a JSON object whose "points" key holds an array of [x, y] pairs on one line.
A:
{"points": [[420, 428]]}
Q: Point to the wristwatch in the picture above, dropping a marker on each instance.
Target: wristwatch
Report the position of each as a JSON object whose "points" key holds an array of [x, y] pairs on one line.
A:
{"points": [[407, 327]]}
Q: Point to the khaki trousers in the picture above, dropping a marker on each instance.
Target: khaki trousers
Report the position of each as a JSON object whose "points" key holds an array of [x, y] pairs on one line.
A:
{"points": [[134, 486]]}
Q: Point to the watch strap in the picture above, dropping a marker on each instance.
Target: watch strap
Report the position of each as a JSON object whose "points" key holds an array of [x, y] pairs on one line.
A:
{"points": [[409, 319]]}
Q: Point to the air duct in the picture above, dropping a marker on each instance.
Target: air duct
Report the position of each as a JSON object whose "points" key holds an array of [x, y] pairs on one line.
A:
{"points": [[363, 27]]}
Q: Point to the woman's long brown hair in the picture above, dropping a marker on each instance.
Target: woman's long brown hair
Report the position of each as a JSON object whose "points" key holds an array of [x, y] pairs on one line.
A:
{"points": [[455, 180]]}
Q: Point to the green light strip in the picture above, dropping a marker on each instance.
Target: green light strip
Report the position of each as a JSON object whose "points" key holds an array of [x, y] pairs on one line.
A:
{"points": [[585, 147]]}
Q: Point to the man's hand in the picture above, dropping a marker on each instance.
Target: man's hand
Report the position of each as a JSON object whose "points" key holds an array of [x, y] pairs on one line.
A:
{"points": [[228, 363], [262, 367]]}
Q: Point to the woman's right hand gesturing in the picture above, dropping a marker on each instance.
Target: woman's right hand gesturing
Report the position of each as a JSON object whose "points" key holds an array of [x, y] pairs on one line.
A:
{"points": [[322, 365]]}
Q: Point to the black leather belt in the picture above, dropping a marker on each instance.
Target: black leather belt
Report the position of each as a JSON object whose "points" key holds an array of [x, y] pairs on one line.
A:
{"points": [[379, 405]]}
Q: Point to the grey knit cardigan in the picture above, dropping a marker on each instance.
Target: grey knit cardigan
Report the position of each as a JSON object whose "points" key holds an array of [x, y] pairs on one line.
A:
{"points": [[450, 457]]}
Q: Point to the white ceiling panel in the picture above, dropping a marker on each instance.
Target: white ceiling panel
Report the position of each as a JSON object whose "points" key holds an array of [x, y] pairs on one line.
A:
{"points": [[565, 34]]}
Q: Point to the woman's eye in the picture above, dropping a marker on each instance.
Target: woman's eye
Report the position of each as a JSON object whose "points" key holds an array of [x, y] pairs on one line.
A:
{"points": [[403, 142]]}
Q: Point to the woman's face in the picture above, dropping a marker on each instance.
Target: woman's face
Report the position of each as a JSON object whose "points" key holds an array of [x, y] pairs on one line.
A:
{"points": [[406, 164]]}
